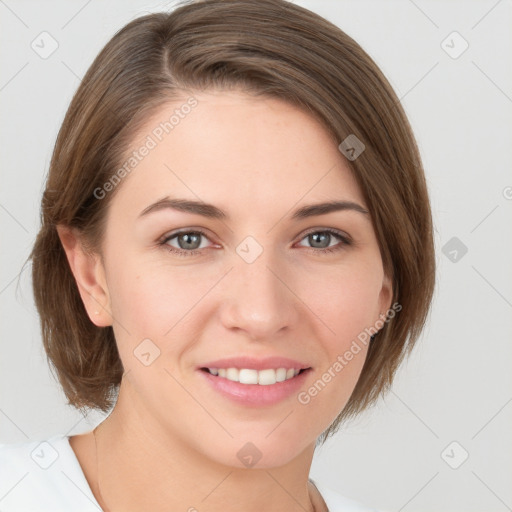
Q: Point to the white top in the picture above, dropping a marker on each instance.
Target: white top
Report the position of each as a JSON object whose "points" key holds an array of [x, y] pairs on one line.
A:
{"points": [[46, 476]]}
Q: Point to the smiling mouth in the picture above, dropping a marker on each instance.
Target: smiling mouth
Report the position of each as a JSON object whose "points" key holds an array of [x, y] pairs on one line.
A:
{"points": [[264, 377]]}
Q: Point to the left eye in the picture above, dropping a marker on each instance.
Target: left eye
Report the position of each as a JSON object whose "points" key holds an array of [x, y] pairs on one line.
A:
{"points": [[187, 240], [320, 237]]}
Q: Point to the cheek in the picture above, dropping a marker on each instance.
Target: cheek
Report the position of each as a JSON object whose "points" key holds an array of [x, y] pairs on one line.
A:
{"points": [[345, 300], [148, 295], [149, 299], [346, 304]]}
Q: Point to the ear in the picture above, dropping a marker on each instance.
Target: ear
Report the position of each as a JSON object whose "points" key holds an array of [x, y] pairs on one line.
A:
{"points": [[89, 274], [386, 296]]}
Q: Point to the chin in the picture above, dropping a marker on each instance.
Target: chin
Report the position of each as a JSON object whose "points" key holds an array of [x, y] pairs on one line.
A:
{"points": [[261, 452]]}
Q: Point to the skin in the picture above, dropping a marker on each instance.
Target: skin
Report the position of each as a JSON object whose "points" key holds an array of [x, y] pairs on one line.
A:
{"points": [[172, 441]]}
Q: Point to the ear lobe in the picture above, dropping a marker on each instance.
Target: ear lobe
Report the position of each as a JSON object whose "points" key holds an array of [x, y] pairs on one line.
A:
{"points": [[89, 275]]}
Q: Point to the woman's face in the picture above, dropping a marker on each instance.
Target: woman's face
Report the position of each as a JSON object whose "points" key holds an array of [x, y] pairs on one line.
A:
{"points": [[256, 283]]}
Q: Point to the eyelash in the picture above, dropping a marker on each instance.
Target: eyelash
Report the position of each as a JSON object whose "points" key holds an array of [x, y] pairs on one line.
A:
{"points": [[346, 241]]}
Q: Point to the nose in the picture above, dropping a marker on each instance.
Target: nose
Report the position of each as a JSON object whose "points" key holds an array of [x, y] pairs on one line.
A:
{"points": [[258, 299]]}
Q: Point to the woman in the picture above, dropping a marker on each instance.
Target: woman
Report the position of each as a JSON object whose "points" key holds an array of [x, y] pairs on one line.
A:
{"points": [[235, 255]]}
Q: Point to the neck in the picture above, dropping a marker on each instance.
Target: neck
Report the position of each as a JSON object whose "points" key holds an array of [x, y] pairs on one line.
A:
{"points": [[142, 466]]}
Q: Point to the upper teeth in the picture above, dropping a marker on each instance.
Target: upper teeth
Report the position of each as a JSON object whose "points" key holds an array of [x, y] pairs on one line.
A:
{"points": [[250, 376]]}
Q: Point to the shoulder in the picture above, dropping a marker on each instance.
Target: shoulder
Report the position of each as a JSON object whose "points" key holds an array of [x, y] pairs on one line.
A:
{"points": [[338, 503], [43, 475]]}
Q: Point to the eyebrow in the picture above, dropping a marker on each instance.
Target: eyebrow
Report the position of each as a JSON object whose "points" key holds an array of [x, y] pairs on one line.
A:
{"points": [[211, 211]]}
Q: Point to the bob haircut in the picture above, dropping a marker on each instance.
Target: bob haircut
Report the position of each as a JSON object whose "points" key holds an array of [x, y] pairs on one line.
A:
{"points": [[269, 48]]}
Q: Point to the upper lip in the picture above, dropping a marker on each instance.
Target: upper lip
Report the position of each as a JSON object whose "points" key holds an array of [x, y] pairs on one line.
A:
{"points": [[255, 364]]}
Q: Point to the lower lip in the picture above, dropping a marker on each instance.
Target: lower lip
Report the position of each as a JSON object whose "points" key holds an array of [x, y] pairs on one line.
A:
{"points": [[256, 394]]}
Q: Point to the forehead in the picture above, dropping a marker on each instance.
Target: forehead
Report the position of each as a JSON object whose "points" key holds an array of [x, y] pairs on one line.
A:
{"points": [[237, 151]]}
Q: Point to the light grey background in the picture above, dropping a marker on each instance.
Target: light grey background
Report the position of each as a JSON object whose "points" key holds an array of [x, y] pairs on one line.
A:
{"points": [[457, 386]]}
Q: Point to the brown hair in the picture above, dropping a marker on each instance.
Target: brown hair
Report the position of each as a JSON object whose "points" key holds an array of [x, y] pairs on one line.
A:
{"points": [[269, 48]]}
